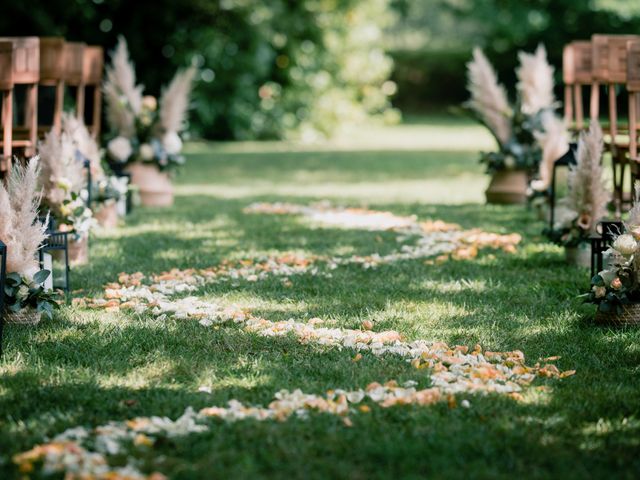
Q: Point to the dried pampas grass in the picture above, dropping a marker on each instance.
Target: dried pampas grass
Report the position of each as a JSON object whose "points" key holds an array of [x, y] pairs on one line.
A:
{"points": [[535, 81], [174, 101], [123, 97], [554, 142], [488, 97], [20, 229], [588, 195], [84, 143], [61, 171]]}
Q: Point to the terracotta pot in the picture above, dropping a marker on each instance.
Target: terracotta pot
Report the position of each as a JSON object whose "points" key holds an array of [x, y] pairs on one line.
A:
{"points": [[579, 256], [155, 187], [508, 187], [107, 215], [78, 252], [26, 316]]}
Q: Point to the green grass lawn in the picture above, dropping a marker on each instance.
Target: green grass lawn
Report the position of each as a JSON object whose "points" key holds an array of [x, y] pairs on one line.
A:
{"points": [[89, 367]]}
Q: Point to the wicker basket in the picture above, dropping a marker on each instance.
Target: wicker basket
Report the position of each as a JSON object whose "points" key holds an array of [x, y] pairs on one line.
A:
{"points": [[629, 315], [26, 316], [580, 256]]}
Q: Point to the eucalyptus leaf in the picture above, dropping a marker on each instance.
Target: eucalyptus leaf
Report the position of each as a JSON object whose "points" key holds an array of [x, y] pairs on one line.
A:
{"points": [[41, 276]]}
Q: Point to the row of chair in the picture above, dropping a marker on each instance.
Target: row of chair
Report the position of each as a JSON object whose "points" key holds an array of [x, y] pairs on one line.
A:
{"points": [[36, 65], [610, 65]]}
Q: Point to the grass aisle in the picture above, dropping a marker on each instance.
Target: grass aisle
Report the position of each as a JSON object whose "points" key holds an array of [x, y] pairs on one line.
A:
{"points": [[89, 367]]}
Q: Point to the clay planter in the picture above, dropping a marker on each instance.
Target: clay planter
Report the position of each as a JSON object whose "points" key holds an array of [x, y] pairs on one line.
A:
{"points": [[26, 316], [107, 215], [579, 255], [508, 187], [629, 315], [78, 252], [155, 187]]}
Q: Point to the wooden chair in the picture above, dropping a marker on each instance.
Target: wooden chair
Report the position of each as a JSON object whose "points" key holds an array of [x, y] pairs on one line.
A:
{"points": [[52, 74], [6, 87], [633, 89], [610, 70], [576, 74], [74, 70], [25, 68], [93, 66]]}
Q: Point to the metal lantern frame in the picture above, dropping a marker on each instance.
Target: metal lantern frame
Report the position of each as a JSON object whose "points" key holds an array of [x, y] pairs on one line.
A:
{"points": [[566, 160], [609, 230], [3, 276], [56, 241]]}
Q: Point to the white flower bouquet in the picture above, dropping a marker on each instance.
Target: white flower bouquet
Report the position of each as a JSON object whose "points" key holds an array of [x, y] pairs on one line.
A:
{"points": [[143, 129]]}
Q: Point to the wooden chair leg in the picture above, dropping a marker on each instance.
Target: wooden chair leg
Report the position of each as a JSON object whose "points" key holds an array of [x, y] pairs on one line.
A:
{"points": [[97, 112], [594, 106], [568, 104], [80, 96], [31, 118], [7, 130], [58, 107], [577, 95]]}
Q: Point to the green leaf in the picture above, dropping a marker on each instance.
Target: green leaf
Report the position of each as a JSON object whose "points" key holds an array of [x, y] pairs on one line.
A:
{"points": [[14, 279], [41, 276], [15, 307]]}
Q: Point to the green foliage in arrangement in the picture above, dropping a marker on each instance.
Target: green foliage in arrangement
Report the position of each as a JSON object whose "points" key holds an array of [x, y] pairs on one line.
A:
{"points": [[521, 151], [21, 293]]}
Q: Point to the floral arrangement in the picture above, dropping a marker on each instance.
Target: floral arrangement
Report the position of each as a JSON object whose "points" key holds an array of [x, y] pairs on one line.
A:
{"points": [[619, 283], [104, 188], [110, 188], [515, 128], [23, 234], [64, 181], [585, 205], [144, 130]]}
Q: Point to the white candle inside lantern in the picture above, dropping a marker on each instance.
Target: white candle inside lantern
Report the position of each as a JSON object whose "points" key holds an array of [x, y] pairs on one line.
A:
{"points": [[47, 264]]}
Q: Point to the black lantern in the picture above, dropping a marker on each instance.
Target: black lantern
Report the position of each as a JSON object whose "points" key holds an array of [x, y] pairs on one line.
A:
{"points": [[3, 275], [608, 231], [567, 160], [56, 241]]}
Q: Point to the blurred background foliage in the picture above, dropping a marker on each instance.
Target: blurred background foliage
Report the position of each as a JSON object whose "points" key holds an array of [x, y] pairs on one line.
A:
{"points": [[304, 68]]}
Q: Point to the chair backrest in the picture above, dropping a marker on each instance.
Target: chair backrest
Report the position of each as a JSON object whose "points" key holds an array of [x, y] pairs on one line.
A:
{"points": [[52, 60], [609, 68], [6, 65], [26, 59], [633, 88], [576, 73], [74, 63], [93, 65]]}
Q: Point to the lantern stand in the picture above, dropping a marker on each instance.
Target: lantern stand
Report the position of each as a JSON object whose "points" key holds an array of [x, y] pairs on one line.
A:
{"points": [[609, 230], [56, 241], [566, 160], [3, 275]]}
